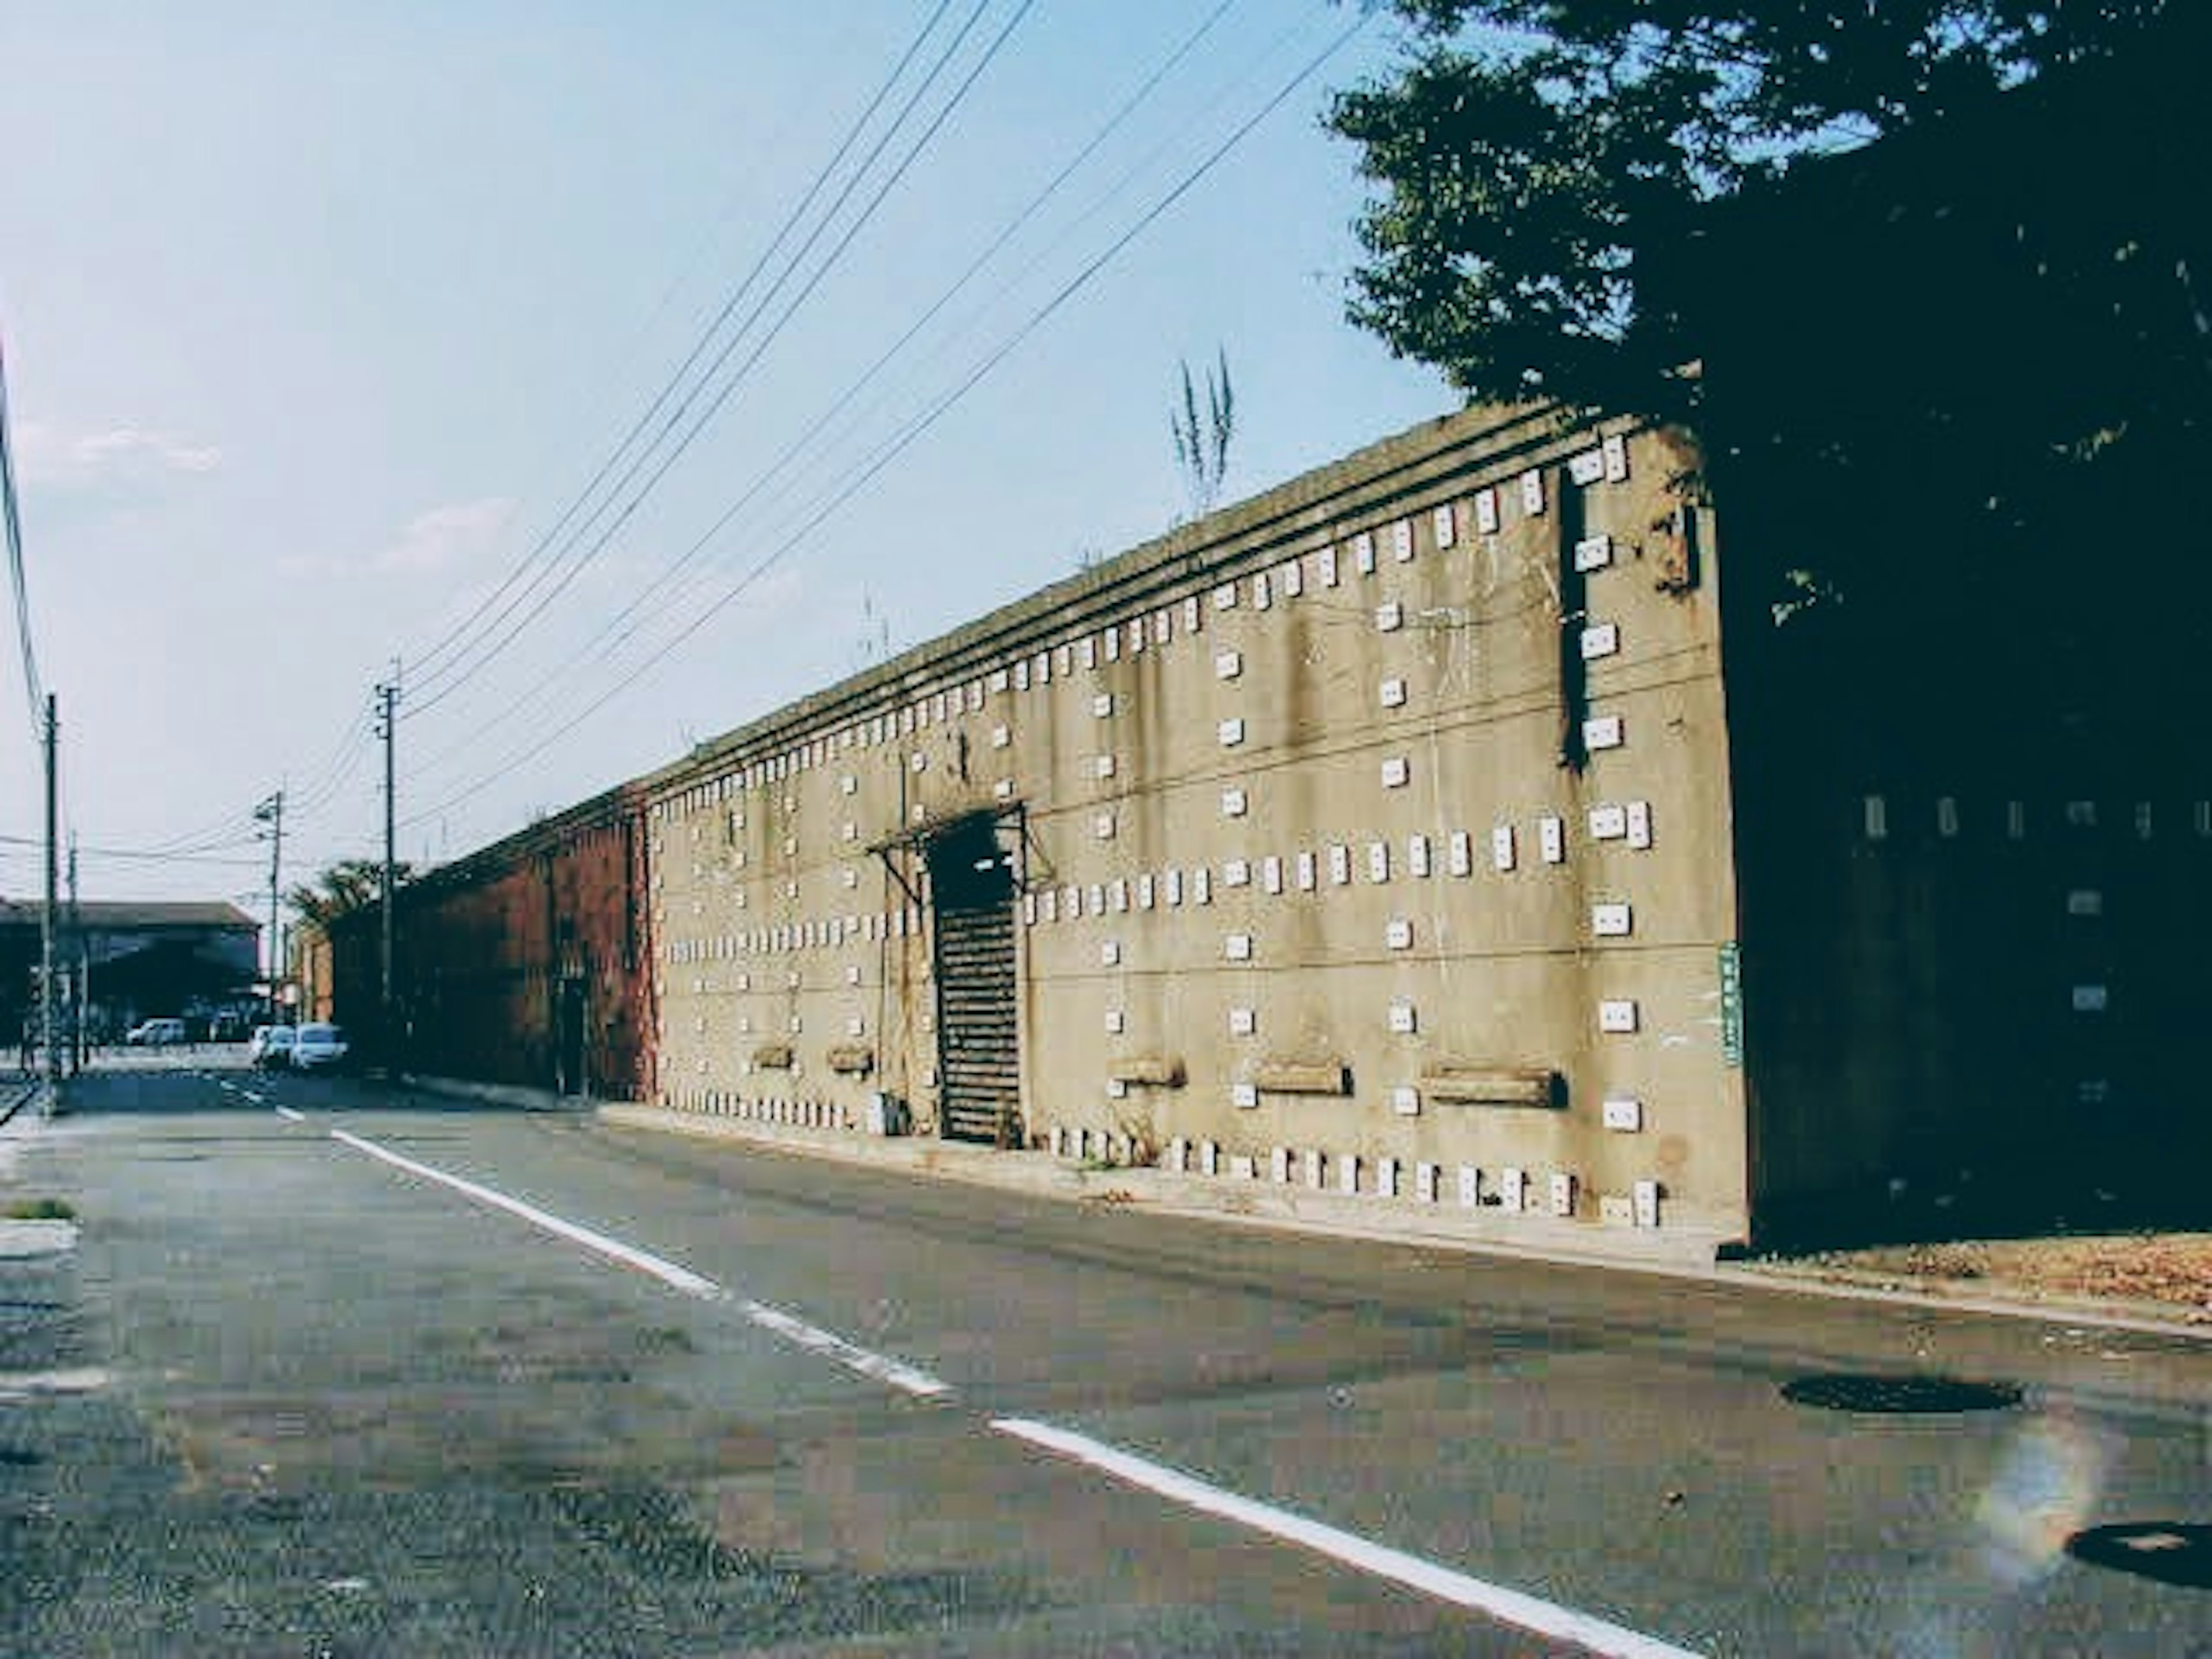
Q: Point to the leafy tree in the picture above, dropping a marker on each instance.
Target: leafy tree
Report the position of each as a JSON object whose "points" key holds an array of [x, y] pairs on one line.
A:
{"points": [[347, 885], [1931, 280], [1531, 157]]}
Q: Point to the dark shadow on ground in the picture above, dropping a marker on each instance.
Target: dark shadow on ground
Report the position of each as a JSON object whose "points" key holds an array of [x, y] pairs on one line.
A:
{"points": [[2166, 1552], [2014, 1199], [195, 1086]]}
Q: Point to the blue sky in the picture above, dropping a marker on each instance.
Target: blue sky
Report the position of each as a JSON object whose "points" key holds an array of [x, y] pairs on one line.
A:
{"points": [[319, 317]]}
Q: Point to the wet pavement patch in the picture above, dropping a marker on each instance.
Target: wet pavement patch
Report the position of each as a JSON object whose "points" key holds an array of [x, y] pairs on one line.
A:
{"points": [[2167, 1552], [1906, 1394]]}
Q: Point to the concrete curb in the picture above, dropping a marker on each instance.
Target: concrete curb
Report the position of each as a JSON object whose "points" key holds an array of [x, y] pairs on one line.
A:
{"points": [[26, 1093], [1264, 1204], [1257, 1202], [494, 1094], [2162, 1319]]}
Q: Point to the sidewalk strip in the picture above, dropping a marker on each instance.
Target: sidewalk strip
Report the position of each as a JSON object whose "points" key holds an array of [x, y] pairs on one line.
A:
{"points": [[897, 1374], [1508, 1606]]}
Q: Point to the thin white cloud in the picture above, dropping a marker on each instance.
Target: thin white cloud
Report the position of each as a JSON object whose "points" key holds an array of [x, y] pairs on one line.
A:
{"points": [[451, 538], [126, 456]]}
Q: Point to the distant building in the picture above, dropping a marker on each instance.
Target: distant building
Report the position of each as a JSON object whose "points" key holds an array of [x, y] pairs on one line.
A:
{"points": [[144, 957]]}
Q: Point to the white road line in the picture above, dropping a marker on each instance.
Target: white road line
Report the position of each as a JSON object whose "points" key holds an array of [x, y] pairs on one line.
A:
{"points": [[629, 1256], [1509, 1606], [906, 1378], [291, 1116]]}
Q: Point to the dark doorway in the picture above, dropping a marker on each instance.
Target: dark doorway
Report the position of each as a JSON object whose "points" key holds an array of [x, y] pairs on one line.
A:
{"points": [[971, 879], [570, 1039]]}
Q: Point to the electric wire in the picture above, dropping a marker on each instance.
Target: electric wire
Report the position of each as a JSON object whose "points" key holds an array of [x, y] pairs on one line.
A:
{"points": [[775, 330], [458, 671], [307, 800], [328, 773], [33, 688], [134, 854], [614, 632], [890, 451], [427, 657], [642, 331], [698, 582]]}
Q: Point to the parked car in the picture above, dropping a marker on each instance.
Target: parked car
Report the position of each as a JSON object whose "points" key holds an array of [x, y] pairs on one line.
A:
{"points": [[156, 1033], [318, 1048], [270, 1046]]}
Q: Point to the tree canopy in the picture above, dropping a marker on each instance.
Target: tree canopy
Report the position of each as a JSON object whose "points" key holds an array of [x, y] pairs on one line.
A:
{"points": [[347, 885], [1531, 157], [1931, 281]]}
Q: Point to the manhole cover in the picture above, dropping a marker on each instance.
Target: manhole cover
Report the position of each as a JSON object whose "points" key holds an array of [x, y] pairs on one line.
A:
{"points": [[1897, 1396], [2166, 1551]]}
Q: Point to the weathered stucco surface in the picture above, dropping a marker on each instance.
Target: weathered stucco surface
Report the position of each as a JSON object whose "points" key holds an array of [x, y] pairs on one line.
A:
{"points": [[1300, 799]]}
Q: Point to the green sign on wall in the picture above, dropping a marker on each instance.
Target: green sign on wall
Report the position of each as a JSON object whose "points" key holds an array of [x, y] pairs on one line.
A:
{"points": [[1732, 1005]]}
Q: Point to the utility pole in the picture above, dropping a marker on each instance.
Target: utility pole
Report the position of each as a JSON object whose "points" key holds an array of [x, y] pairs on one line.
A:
{"points": [[387, 727], [46, 954], [271, 812], [80, 976]]}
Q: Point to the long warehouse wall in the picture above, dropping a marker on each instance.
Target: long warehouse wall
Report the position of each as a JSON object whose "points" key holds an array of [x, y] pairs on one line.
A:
{"points": [[1375, 832]]}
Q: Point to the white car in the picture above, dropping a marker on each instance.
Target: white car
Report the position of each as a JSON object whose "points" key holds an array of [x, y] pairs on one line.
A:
{"points": [[270, 1047], [318, 1048], [156, 1034]]}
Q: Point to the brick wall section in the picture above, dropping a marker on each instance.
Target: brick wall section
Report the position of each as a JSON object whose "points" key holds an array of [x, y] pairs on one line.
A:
{"points": [[494, 954], [313, 969]]}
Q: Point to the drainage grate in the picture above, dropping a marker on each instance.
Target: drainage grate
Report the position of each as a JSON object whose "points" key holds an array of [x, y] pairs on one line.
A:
{"points": [[2167, 1552], [1898, 1396]]}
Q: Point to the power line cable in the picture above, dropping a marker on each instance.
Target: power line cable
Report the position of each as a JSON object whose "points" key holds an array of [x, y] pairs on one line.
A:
{"points": [[33, 688], [136, 854], [305, 800], [614, 632], [900, 442], [327, 777], [430, 668], [731, 384], [603, 647], [637, 337]]}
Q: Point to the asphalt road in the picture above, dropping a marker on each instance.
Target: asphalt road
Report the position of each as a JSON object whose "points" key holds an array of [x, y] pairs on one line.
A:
{"points": [[335, 1371]]}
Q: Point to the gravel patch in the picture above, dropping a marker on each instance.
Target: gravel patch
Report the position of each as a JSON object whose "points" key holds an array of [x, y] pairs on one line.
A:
{"points": [[2166, 1273]]}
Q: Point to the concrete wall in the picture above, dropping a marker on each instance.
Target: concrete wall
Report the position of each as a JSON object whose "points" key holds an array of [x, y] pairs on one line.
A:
{"points": [[1974, 855], [1350, 823], [1402, 782]]}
